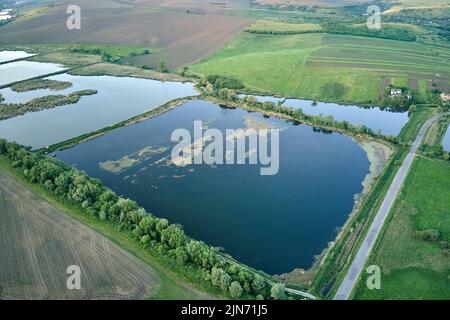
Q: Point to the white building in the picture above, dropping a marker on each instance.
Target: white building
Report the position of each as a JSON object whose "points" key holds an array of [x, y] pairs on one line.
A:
{"points": [[396, 92], [6, 14]]}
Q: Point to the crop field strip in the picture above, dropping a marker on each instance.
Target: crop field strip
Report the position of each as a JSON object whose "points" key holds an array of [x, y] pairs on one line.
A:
{"points": [[361, 64], [39, 242]]}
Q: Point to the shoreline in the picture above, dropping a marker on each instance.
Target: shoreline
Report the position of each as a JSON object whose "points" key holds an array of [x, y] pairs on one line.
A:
{"points": [[379, 154]]}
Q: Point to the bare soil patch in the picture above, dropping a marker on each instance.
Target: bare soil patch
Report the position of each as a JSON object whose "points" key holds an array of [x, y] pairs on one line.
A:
{"points": [[39, 243]]}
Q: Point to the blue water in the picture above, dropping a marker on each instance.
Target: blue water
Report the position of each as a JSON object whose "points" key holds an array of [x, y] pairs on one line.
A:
{"points": [[446, 140], [6, 55], [274, 223], [117, 99], [23, 70], [389, 123]]}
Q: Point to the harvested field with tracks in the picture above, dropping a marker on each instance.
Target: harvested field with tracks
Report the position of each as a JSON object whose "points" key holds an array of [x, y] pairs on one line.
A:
{"points": [[39, 243], [182, 37]]}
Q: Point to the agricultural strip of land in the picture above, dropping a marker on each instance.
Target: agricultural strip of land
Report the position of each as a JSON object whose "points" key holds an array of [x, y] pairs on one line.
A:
{"points": [[328, 67], [39, 243]]}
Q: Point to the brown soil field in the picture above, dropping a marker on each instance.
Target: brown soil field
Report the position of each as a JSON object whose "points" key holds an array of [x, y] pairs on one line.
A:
{"points": [[181, 37], [298, 3], [383, 85], [413, 84], [39, 242]]}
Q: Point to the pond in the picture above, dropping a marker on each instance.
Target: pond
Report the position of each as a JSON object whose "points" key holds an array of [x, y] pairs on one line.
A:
{"points": [[273, 223], [23, 70], [446, 140], [6, 55], [117, 99], [389, 123]]}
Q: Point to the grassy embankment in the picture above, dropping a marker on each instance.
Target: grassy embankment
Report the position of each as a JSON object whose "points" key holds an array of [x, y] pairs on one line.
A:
{"points": [[175, 282], [73, 55], [432, 145], [413, 251], [326, 67], [411, 129]]}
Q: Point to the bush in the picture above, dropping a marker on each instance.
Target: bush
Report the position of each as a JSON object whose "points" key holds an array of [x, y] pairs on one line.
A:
{"points": [[235, 290], [278, 292], [223, 82], [333, 90], [430, 235]]}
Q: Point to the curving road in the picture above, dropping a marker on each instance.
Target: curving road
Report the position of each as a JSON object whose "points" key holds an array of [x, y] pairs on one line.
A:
{"points": [[363, 253]]}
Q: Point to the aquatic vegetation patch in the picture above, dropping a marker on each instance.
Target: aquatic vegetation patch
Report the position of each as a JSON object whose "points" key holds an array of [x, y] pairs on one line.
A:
{"points": [[11, 110], [129, 161], [38, 84]]}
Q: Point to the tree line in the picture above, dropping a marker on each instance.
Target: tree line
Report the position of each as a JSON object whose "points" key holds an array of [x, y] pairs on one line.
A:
{"points": [[155, 234], [107, 56], [384, 33], [333, 27], [296, 114]]}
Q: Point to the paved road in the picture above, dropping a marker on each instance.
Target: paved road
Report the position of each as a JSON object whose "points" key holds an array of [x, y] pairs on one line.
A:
{"points": [[358, 263]]}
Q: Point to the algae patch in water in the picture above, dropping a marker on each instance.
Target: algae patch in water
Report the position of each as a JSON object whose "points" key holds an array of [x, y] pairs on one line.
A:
{"points": [[131, 160]]}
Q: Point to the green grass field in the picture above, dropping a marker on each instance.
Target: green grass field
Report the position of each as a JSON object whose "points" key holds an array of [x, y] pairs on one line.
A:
{"points": [[413, 268], [305, 65]]}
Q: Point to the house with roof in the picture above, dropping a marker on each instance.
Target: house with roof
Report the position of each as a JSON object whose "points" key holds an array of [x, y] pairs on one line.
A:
{"points": [[445, 96]]}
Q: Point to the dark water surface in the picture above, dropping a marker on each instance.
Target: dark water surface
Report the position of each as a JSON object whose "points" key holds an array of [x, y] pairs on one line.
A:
{"points": [[274, 223]]}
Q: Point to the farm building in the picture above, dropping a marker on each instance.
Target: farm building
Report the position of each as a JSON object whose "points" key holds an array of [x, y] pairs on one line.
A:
{"points": [[445, 96], [396, 92]]}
